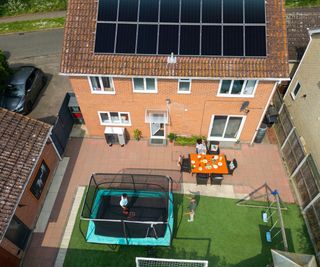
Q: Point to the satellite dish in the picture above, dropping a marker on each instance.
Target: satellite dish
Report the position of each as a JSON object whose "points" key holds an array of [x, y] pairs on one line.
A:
{"points": [[244, 106]]}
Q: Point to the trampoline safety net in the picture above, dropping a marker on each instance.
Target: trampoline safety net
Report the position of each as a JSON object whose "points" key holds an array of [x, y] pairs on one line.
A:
{"points": [[148, 204]]}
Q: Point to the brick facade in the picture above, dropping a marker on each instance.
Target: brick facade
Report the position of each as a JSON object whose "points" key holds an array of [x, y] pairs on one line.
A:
{"points": [[190, 114]]}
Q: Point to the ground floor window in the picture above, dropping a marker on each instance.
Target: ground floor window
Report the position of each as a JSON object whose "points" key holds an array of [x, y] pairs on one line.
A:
{"points": [[224, 127], [114, 118], [40, 180], [18, 233]]}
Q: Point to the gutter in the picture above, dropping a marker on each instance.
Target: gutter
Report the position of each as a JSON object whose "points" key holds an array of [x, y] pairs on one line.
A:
{"points": [[175, 78]]}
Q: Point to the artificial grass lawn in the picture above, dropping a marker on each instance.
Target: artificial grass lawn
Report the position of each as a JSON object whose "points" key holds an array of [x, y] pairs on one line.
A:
{"points": [[222, 233]]}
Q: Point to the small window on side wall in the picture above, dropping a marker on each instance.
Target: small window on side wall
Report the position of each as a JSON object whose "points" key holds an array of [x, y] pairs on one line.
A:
{"points": [[40, 180], [184, 86], [295, 91], [101, 85]]}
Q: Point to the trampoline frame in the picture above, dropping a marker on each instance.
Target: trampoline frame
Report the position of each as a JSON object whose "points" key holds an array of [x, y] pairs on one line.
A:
{"points": [[131, 185]]}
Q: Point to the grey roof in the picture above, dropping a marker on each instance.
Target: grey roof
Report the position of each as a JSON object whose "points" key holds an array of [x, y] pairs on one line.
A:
{"points": [[299, 20], [21, 143]]}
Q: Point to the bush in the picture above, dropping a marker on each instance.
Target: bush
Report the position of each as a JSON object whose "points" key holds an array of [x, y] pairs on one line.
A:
{"points": [[137, 134], [188, 141], [5, 71], [172, 136]]}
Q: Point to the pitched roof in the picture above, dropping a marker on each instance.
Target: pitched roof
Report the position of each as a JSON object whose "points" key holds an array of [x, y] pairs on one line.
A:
{"points": [[78, 52], [21, 142], [299, 20]]}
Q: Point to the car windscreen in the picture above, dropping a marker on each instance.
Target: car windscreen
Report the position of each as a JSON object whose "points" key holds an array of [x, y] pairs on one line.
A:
{"points": [[15, 90]]}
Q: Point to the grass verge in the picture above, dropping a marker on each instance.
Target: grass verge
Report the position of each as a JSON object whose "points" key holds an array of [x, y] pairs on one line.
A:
{"points": [[31, 25], [222, 233], [302, 3]]}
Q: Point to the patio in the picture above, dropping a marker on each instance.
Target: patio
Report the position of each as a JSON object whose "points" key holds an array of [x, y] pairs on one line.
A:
{"points": [[257, 165]]}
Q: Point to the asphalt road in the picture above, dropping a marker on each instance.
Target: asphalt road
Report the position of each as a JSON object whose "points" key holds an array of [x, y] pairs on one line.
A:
{"points": [[32, 44], [41, 49]]}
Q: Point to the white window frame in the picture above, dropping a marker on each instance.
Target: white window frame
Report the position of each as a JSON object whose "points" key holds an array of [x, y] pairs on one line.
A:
{"points": [[113, 92], [114, 124], [145, 91], [210, 138], [242, 89], [293, 95], [184, 80]]}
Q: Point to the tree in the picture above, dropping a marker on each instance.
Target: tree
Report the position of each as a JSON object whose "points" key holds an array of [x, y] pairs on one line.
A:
{"points": [[5, 71]]}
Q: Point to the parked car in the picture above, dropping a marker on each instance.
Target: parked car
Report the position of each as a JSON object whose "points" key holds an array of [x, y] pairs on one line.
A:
{"points": [[23, 89]]}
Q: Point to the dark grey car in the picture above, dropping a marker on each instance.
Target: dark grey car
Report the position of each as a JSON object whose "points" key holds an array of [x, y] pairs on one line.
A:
{"points": [[23, 89]]}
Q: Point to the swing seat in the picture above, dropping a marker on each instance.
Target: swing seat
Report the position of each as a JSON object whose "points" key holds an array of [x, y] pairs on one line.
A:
{"points": [[268, 236], [265, 217]]}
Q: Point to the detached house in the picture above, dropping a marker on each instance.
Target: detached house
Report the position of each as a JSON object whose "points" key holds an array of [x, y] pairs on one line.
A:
{"points": [[191, 67]]}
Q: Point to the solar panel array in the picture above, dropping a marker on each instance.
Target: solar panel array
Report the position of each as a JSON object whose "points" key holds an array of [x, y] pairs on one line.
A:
{"points": [[182, 27]]}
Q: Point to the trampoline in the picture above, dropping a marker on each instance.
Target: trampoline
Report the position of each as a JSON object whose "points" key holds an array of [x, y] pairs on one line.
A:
{"points": [[150, 218]]}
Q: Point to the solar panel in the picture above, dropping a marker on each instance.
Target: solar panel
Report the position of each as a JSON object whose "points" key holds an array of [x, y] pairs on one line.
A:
{"points": [[183, 27]]}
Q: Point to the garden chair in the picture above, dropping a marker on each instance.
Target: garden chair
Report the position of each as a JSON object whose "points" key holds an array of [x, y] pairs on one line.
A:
{"points": [[216, 179], [202, 178], [232, 165]]}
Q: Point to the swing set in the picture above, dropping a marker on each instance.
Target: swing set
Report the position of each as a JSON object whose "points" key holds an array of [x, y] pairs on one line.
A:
{"points": [[274, 207]]}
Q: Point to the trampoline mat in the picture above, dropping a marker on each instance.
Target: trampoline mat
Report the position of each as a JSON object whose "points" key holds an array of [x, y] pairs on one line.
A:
{"points": [[148, 209]]}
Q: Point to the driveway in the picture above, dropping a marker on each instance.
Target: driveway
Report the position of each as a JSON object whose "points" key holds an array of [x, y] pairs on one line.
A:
{"points": [[41, 49]]}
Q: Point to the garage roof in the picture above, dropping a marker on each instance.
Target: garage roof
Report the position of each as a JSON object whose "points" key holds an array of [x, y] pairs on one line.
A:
{"points": [[21, 143]]}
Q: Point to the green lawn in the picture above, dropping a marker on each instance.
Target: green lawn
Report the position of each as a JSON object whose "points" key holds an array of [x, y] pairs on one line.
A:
{"points": [[31, 25], [223, 233], [18, 7], [302, 3]]}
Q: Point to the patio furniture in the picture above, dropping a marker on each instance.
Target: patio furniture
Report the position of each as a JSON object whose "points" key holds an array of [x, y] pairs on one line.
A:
{"points": [[185, 165], [216, 179], [232, 165], [202, 178], [213, 147], [209, 164]]}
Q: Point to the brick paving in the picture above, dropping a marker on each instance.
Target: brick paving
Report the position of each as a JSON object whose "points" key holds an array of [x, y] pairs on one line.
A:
{"points": [[257, 165]]}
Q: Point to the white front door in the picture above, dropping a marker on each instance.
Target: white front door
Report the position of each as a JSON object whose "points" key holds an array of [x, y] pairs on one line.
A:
{"points": [[225, 127], [157, 130]]}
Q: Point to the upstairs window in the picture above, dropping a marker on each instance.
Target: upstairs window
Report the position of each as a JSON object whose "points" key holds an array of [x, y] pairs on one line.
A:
{"points": [[184, 86], [114, 118], [243, 88], [144, 85], [295, 91], [101, 85]]}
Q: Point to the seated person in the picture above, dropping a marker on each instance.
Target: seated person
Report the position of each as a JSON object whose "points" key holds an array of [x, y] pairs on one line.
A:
{"points": [[201, 147]]}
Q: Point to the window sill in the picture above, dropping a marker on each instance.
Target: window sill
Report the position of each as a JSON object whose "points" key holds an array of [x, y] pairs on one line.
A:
{"points": [[102, 93], [145, 92], [184, 93], [236, 96], [114, 124]]}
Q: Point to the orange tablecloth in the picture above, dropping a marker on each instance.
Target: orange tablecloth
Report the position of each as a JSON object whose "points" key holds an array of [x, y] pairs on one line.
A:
{"points": [[209, 164]]}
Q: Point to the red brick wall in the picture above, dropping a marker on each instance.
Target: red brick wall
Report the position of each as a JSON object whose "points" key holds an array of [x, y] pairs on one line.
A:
{"points": [[31, 206], [189, 113]]}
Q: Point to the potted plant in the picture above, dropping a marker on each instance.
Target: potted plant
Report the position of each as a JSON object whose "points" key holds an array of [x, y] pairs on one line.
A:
{"points": [[172, 137], [137, 134]]}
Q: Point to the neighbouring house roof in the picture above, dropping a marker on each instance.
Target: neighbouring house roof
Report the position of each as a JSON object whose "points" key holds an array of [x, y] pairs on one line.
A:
{"points": [[21, 142], [299, 20], [78, 57]]}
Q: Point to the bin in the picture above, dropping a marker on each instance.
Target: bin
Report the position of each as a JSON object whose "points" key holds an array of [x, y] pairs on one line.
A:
{"points": [[261, 133]]}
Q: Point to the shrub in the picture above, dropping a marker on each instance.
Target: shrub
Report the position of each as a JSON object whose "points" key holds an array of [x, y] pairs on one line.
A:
{"points": [[5, 71], [188, 141], [137, 134], [172, 136]]}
